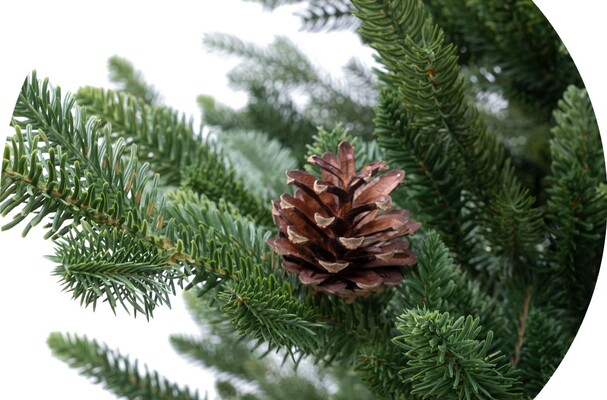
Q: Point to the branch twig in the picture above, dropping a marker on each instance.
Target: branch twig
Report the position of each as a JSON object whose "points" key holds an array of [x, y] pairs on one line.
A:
{"points": [[521, 327]]}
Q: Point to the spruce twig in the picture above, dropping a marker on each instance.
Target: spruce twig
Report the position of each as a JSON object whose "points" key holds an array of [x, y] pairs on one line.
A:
{"points": [[521, 327]]}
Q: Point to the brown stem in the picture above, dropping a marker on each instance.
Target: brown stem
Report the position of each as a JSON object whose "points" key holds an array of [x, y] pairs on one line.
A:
{"points": [[521, 327]]}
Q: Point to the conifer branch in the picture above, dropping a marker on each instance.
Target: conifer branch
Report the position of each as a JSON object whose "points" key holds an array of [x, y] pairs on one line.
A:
{"points": [[577, 203], [168, 142], [114, 266], [219, 356], [261, 307], [448, 361], [325, 15], [431, 182], [123, 73], [535, 66], [96, 186], [320, 14], [268, 111], [259, 161], [271, 75], [69, 155], [116, 372], [546, 342], [424, 70], [379, 367], [437, 283], [291, 71], [92, 267], [138, 203], [352, 330]]}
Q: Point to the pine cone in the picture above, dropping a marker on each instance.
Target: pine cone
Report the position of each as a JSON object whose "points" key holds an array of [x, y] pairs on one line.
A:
{"points": [[339, 233]]}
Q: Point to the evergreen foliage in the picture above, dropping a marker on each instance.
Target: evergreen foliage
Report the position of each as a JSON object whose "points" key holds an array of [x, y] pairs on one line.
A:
{"points": [[577, 205], [319, 14], [175, 151], [273, 76], [259, 162], [447, 361], [129, 80], [530, 78], [534, 66], [245, 373], [431, 91], [118, 374], [139, 203], [545, 348]]}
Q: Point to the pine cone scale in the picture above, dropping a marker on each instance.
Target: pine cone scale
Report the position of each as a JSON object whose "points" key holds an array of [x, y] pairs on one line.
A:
{"points": [[328, 167], [388, 221], [345, 155], [381, 186]]}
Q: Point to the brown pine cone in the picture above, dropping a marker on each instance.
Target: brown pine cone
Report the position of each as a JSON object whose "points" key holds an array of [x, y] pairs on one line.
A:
{"points": [[340, 234]]}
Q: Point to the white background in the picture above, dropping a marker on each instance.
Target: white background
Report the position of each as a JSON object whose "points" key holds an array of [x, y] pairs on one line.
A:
{"points": [[70, 42]]}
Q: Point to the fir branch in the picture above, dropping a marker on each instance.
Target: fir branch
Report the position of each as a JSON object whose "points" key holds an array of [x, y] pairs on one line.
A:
{"points": [[80, 161], [76, 178], [115, 267], [516, 229], [258, 305], [546, 342], [260, 162], [242, 365], [116, 372], [437, 283], [164, 137], [352, 329], [447, 361], [379, 368], [129, 80], [215, 114], [227, 357], [268, 111], [516, 43], [214, 242], [429, 85], [221, 348], [320, 14], [112, 193], [424, 69], [67, 156], [577, 206], [207, 315], [273, 75], [464, 27], [219, 234], [363, 82], [576, 138], [536, 67], [282, 60], [432, 187], [325, 15], [94, 267], [169, 144]]}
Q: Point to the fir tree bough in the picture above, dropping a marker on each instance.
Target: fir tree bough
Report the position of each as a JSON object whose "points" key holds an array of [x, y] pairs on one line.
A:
{"points": [[118, 374], [140, 204]]}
